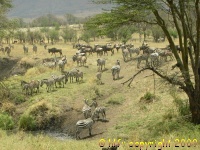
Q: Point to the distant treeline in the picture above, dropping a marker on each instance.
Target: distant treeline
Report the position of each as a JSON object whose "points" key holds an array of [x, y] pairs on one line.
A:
{"points": [[50, 20]]}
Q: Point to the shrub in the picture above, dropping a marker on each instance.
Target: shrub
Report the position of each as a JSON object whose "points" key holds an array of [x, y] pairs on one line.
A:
{"points": [[182, 106], [8, 107], [148, 97], [27, 122], [116, 100], [39, 116], [6, 122]]}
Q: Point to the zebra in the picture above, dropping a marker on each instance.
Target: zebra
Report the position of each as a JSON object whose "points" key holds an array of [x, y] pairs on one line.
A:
{"points": [[30, 86], [34, 49], [116, 70], [60, 79], [143, 57], [49, 83], [101, 62], [61, 63], [25, 49], [85, 124], [100, 110], [98, 75], [154, 58], [72, 73], [125, 54], [34, 84], [25, 87], [78, 75], [50, 64], [8, 50], [87, 108], [83, 60]]}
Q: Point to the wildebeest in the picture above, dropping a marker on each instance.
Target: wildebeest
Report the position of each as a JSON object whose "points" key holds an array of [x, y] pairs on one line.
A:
{"points": [[54, 51]]}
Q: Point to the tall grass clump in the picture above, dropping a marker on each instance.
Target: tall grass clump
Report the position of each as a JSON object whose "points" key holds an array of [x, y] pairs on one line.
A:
{"points": [[182, 106], [6, 122], [116, 99], [148, 97], [41, 115], [27, 122]]}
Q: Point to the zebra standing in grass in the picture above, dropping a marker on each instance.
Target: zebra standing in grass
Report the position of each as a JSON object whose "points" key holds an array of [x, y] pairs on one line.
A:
{"points": [[72, 74], [101, 62], [25, 49], [61, 63], [100, 110], [49, 83], [8, 50], [87, 108], [98, 75], [78, 75], [34, 49], [116, 70], [59, 79], [85, 124], [143, 57]]}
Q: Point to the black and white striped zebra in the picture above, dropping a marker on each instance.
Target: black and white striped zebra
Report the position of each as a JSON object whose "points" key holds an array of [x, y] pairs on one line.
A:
{"points": [[87, 108], [100, 110], [49, 83], [85, 124]]}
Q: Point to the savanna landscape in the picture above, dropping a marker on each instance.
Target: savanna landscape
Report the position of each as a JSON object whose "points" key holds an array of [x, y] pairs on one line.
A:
{"points": [[145, 112]]}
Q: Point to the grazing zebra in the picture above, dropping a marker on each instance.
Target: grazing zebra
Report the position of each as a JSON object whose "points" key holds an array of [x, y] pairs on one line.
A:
{"points": [[34, 49], [72, 74], [134, 50], [98, 75], [59, 79], [50, 64], [85, 124], [101, 62], [8, 50], [78, 75], [116, 70], [25, 49], [25, 86], [34, 84], [83, 60], [87, 108], [49, 83], [100, 110], [30, 86]]}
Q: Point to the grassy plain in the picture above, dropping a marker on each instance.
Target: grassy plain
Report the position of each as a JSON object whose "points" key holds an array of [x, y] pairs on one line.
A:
{"points": [[128, 118]]}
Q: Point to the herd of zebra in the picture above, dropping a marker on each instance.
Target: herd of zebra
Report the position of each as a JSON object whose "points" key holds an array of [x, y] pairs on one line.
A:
{"points": [[90, 117]]}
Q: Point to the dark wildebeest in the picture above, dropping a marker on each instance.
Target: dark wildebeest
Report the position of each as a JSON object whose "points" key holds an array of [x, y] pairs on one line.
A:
{"points": [[55, 50]]}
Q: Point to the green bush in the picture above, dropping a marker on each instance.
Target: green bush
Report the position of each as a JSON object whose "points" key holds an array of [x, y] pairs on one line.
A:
{"points": [[116, 100], [182, 106], [27, 122], [6, 122]]}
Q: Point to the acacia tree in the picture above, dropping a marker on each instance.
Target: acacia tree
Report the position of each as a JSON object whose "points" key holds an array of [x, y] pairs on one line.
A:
{"points": [[185, 17]]}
